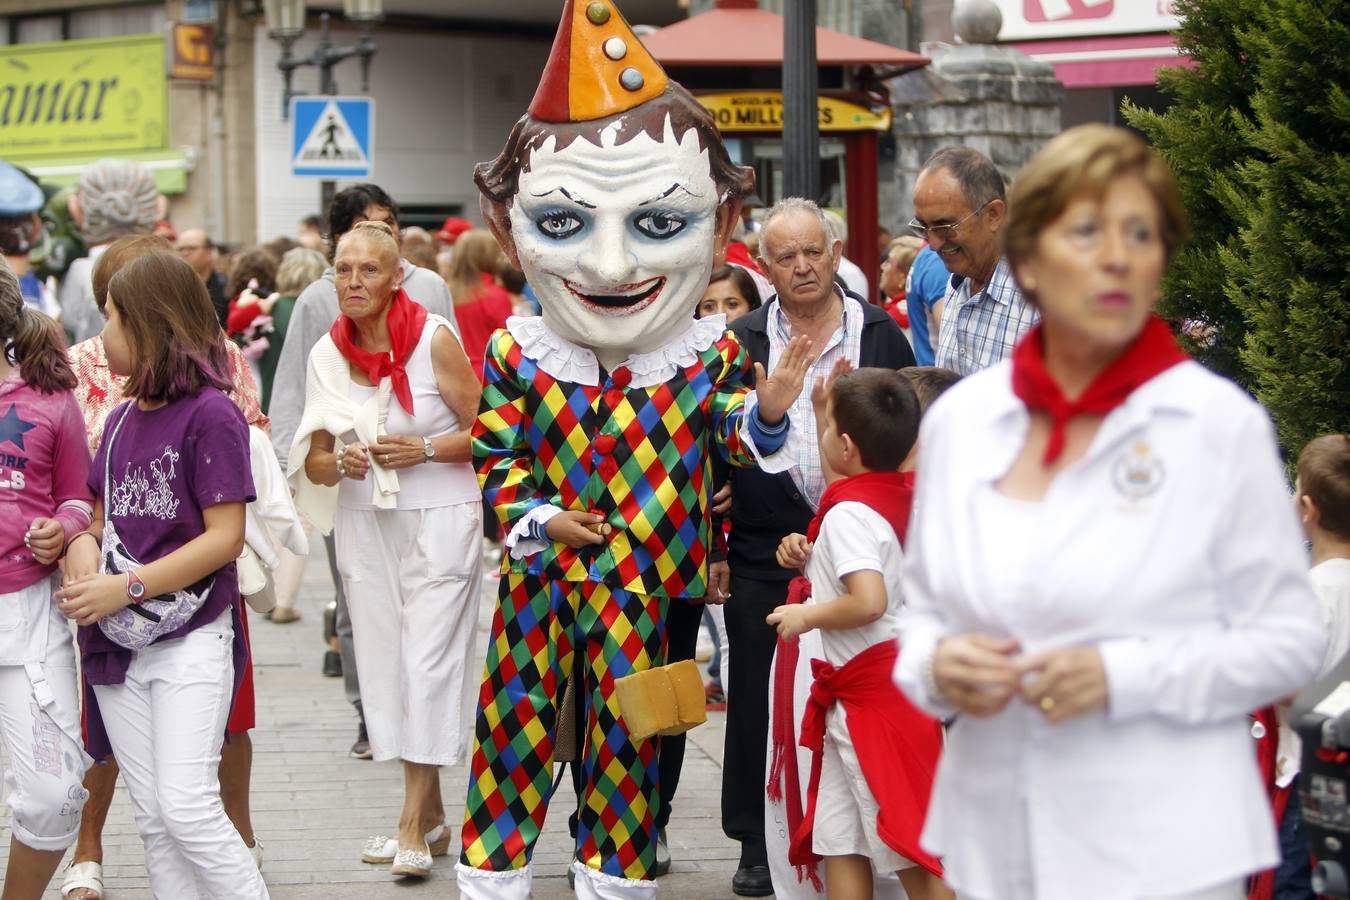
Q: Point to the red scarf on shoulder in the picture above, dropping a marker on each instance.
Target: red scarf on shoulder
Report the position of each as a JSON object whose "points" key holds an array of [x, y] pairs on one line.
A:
{"points": [[406, 319], [890, 495], [1153, 352]]}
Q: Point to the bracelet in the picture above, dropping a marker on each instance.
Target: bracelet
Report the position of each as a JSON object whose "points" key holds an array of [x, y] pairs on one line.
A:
{"points": [[341, 466]]}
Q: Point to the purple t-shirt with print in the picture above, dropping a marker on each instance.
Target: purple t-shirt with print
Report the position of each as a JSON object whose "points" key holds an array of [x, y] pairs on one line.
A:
{"points": [[166, 466]]}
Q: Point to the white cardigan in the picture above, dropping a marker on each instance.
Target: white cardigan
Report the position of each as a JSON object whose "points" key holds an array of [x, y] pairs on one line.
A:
{"points": [[1172, 546], [329, 407]]}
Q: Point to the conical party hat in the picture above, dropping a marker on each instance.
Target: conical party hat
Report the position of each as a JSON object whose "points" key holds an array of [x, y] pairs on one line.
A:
{"points": [[597, 67]]}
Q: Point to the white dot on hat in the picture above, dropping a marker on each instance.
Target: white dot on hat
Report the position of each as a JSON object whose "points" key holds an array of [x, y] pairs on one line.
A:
{"points": [[616, 48]]}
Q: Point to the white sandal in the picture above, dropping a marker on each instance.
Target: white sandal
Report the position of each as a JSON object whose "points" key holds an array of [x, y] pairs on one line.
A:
{"points": [[382, 849], [412, 863], [86, 876]]}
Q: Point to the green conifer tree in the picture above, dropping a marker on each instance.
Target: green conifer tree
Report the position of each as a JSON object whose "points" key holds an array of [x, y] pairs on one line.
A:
{"points": [[1289, 270], [1200, 137], [1259, 135]]}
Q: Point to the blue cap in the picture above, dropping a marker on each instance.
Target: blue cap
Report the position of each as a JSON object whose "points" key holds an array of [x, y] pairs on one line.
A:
{"points": [[19, 196]]}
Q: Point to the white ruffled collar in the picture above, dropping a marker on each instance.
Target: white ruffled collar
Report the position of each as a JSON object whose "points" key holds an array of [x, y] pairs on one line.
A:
{"points": [[570, 362]]}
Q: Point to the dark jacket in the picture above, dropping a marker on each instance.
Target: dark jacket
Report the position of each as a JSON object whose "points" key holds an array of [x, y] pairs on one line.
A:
{"points": [[766, 508]]}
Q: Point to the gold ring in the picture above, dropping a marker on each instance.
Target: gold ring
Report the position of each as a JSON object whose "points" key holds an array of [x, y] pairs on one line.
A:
{"points": [[1047, 704]]}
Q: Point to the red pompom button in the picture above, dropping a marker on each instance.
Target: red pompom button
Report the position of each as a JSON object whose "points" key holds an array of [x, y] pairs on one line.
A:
{"points": [[620, 377], [605, 444]]}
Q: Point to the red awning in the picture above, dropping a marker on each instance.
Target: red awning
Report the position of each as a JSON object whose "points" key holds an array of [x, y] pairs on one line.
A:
{"points": [[744, 37], [1114, 61]]}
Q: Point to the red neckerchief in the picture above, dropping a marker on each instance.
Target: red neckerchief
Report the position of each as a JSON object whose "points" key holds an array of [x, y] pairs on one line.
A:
{"points": [[897, 747], [1153, 352], [406, 320], [890, 495]]}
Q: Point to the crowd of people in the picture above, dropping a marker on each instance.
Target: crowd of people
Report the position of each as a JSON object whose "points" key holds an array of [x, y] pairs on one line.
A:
{"points": [[999, 578]]}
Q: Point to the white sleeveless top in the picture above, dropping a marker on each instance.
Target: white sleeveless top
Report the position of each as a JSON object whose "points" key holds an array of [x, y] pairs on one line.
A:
{"points": [[430, 484]]}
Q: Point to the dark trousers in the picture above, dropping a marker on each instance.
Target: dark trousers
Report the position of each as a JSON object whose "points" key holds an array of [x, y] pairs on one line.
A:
{"points": [[751, 643], [682, 623]]}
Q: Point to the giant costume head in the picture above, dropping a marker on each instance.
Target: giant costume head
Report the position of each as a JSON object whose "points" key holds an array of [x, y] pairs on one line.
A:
{"points": [[614, 193]]}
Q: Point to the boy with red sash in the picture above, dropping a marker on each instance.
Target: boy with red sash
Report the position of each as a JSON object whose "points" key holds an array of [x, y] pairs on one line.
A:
{"points": [[874, 754]]}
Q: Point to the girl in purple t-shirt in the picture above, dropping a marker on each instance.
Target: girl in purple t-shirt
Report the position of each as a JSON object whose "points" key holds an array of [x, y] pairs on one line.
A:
{"points": [[170, 479], [43, 469]]}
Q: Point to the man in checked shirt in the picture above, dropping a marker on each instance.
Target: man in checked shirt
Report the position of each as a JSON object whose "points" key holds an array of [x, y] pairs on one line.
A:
{"points": [[959, 208]]}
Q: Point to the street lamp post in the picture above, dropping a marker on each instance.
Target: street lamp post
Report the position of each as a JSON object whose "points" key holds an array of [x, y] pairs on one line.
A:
{"points": [[801, 137], [286, 23]]}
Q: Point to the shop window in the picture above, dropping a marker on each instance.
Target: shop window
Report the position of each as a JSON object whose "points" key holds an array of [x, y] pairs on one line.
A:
{"points": [[116, 21]]}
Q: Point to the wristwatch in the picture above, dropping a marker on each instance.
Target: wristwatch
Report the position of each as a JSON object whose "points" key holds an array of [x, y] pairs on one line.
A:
{"points": [[135, 587], [429, 450]]}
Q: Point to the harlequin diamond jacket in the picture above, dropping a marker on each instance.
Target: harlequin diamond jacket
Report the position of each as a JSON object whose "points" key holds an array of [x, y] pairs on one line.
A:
{"points": [[638, 453]]}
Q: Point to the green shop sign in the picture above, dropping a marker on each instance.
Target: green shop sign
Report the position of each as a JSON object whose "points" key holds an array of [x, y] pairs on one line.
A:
{"points": [[101, 97]]}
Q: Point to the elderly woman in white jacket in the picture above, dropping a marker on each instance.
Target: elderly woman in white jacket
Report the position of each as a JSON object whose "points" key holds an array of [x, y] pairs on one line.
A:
{"points": [[389, 399], [1105, 573]]}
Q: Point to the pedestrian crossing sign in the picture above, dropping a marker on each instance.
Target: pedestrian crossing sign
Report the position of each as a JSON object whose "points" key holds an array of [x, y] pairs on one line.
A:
{"points": [[332, 137]]}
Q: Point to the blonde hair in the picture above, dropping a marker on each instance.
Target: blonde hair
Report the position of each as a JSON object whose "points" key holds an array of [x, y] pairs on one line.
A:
{"points": [[378, 233], [476, 251], [911, 244], [1087, 160]]}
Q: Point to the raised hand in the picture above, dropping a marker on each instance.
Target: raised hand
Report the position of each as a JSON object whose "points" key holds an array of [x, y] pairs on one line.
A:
{"points": [[777, 392]]}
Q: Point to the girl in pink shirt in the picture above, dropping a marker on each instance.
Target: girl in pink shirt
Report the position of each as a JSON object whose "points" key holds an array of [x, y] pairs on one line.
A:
{"points": [[44, 469]]}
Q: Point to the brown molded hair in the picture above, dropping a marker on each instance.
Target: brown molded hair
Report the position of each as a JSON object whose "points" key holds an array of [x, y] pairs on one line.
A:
{"points": [[499, 179], [177, 345], [1324, 478], [32, 340], [879, 411]]}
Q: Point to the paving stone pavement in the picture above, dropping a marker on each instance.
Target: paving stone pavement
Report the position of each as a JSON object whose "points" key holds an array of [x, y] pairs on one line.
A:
{"points": [[314, 806]]}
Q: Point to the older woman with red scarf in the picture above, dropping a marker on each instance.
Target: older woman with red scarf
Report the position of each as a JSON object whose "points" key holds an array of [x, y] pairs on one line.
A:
{"points": [[384, 449], [1104, 572]]}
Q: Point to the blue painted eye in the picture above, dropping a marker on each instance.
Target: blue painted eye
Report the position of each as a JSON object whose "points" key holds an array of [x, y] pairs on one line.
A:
{"points": [[660, 226], [558, 225]]}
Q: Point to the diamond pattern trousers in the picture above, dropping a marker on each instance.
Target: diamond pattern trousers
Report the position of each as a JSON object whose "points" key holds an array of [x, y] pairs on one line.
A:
{"points": [[541, 628]]}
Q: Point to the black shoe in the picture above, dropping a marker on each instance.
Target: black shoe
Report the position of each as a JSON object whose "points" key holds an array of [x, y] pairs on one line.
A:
{"points": [[332, 664], [361, 749], [752, 881], [662, 855]]}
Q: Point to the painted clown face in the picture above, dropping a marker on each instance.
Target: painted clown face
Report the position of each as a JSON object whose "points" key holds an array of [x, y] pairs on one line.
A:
{"points": [[617, 240]]}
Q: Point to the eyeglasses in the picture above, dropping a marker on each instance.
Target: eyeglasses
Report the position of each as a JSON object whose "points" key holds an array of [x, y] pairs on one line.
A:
{"points": [[918, 229]]}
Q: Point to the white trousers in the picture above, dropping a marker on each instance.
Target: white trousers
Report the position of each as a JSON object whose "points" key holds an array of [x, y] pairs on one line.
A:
{"points": [[413, 579], [167, 723], [42, 733]]}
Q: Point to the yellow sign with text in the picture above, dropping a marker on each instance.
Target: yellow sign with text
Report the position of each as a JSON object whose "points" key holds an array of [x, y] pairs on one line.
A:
{"points": [[763, 111], [98, 97]]}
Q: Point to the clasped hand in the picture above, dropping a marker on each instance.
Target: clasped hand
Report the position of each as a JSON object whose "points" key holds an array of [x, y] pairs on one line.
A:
{"points": [[979, 675], [86, 599]]}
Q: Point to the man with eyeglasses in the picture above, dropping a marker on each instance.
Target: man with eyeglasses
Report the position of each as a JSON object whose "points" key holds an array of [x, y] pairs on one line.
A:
{"points": [[199, 252], [959, 207]]}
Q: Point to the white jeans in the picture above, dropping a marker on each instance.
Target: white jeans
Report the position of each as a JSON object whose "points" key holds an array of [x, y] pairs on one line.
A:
{"points": [[46, 759], [166, 723]]}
